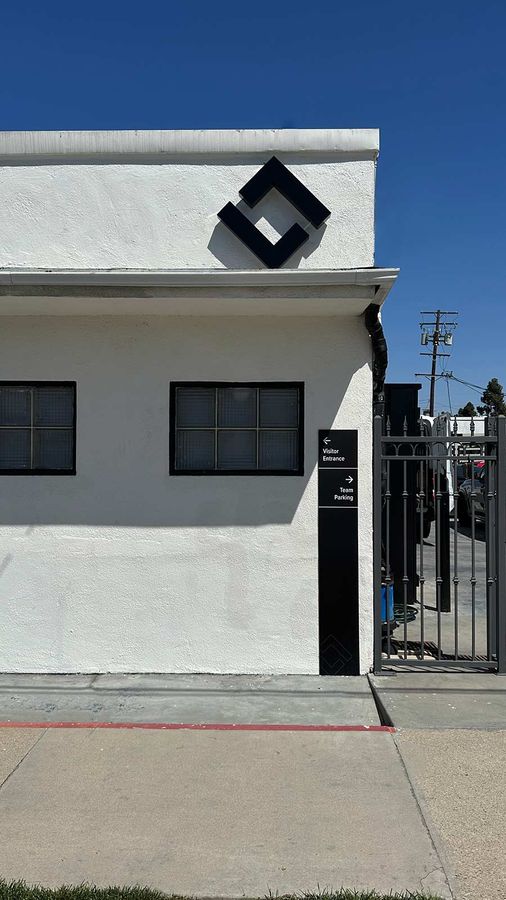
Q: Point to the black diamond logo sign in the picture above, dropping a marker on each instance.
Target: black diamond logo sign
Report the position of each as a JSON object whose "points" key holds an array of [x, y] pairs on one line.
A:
{"points": [[274, 175], [333, 656]]}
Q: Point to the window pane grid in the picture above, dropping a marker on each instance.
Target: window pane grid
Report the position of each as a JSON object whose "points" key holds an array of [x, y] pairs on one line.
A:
{"points": [[46, 402], [233, 406]]}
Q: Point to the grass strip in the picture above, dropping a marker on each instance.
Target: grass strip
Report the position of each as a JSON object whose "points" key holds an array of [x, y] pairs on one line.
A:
{"points": [[19, 890]]}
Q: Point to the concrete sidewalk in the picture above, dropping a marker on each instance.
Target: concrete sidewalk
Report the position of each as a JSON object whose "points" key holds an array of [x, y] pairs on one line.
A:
{"points": [[460, 778], [225, 814], [436, 700], [452, 739], [240, 813]]}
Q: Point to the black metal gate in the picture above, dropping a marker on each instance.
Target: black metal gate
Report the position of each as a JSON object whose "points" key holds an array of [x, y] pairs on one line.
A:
{"points": [[440, 547]]}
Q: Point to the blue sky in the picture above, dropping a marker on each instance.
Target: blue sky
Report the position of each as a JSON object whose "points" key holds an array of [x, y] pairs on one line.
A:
{"points": [[430, 75]]}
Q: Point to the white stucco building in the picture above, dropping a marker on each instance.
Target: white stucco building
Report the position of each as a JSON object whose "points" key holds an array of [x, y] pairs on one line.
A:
{"points": [[161, 396]]}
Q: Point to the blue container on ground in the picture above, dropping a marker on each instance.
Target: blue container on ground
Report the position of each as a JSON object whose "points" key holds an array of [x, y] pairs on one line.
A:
{"points": [[384, 591]]}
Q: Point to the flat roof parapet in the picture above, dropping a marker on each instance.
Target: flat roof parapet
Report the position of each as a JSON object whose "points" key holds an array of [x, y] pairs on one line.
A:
{"points": [[16, 146]]}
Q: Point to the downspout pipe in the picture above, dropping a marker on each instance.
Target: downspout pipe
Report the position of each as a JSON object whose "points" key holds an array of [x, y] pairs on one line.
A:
{"points": [[374, 327]]}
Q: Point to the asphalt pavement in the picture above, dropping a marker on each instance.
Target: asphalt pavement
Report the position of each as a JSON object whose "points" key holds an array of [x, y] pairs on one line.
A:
{"points": [[467, 606]]}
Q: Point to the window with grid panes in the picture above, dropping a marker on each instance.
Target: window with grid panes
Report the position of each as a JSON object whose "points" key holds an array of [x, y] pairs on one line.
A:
{"points": [[37, 428], [247, 429]]}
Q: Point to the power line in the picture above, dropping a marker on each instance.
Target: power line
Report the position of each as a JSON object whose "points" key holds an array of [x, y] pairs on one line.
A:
{"points": [[475, 387]]}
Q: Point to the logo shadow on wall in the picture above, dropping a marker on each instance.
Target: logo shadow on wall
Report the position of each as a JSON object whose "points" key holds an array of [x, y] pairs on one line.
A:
{"points": [[295, 215]]}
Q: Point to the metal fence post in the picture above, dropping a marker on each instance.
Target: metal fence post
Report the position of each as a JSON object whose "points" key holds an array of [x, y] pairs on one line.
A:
{"points": [[501, 544], [377, 542], [490, 531]]}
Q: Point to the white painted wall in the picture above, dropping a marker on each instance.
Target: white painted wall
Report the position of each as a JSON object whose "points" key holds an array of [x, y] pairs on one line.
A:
{"points": [[164, 215], [123, 568]]}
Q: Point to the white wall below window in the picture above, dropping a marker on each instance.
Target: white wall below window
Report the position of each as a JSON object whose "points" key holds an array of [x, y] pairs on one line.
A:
{"points": [[124, 568]]}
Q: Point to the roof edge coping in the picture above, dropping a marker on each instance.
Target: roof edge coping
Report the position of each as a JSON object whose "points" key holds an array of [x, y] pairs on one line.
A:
{"points": [[20, 145]]}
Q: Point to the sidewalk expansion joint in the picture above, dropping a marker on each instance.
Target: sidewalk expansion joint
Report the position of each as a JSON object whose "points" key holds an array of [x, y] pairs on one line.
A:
{"points": [[21, 761], [430, 828]]}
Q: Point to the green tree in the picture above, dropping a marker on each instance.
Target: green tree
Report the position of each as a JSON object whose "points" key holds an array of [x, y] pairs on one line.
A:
{"points": [[467, 410], [493, 399]]}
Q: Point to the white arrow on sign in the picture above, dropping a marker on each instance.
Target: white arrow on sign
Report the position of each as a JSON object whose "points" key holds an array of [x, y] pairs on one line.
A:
{"points": [[349, 479], [326, 440]]}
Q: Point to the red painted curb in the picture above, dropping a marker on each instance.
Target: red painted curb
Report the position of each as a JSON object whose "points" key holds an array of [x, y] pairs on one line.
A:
{"points": [[174, 726]]}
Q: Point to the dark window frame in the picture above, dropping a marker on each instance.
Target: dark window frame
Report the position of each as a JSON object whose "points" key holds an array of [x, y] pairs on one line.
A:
{"points": [[174, 385], [48, 384]]}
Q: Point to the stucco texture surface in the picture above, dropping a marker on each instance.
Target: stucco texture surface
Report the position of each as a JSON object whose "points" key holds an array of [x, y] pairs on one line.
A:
{"points": [[165, 216], [462, 776], [123, 568]]}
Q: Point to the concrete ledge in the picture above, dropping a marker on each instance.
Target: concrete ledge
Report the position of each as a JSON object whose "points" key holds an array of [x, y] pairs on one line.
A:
{"points": [[438, 701], [198, 277], [15, 145], [247, 699], [192, 291]]}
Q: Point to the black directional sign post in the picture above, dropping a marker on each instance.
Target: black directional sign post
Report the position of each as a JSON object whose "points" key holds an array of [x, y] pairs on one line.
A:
{"points": [[338, 552]]}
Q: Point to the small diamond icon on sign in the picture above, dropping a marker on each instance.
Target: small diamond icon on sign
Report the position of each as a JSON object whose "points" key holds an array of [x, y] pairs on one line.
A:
{"points": [[274, 175]]}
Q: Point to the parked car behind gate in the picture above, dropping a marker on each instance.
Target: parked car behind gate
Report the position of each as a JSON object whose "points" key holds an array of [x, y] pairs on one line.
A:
{"points": [[462, 473], [465, 501]]}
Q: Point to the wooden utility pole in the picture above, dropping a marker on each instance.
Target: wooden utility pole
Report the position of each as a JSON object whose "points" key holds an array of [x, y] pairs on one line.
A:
{"points": [[436, 332], [435, 344]]}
